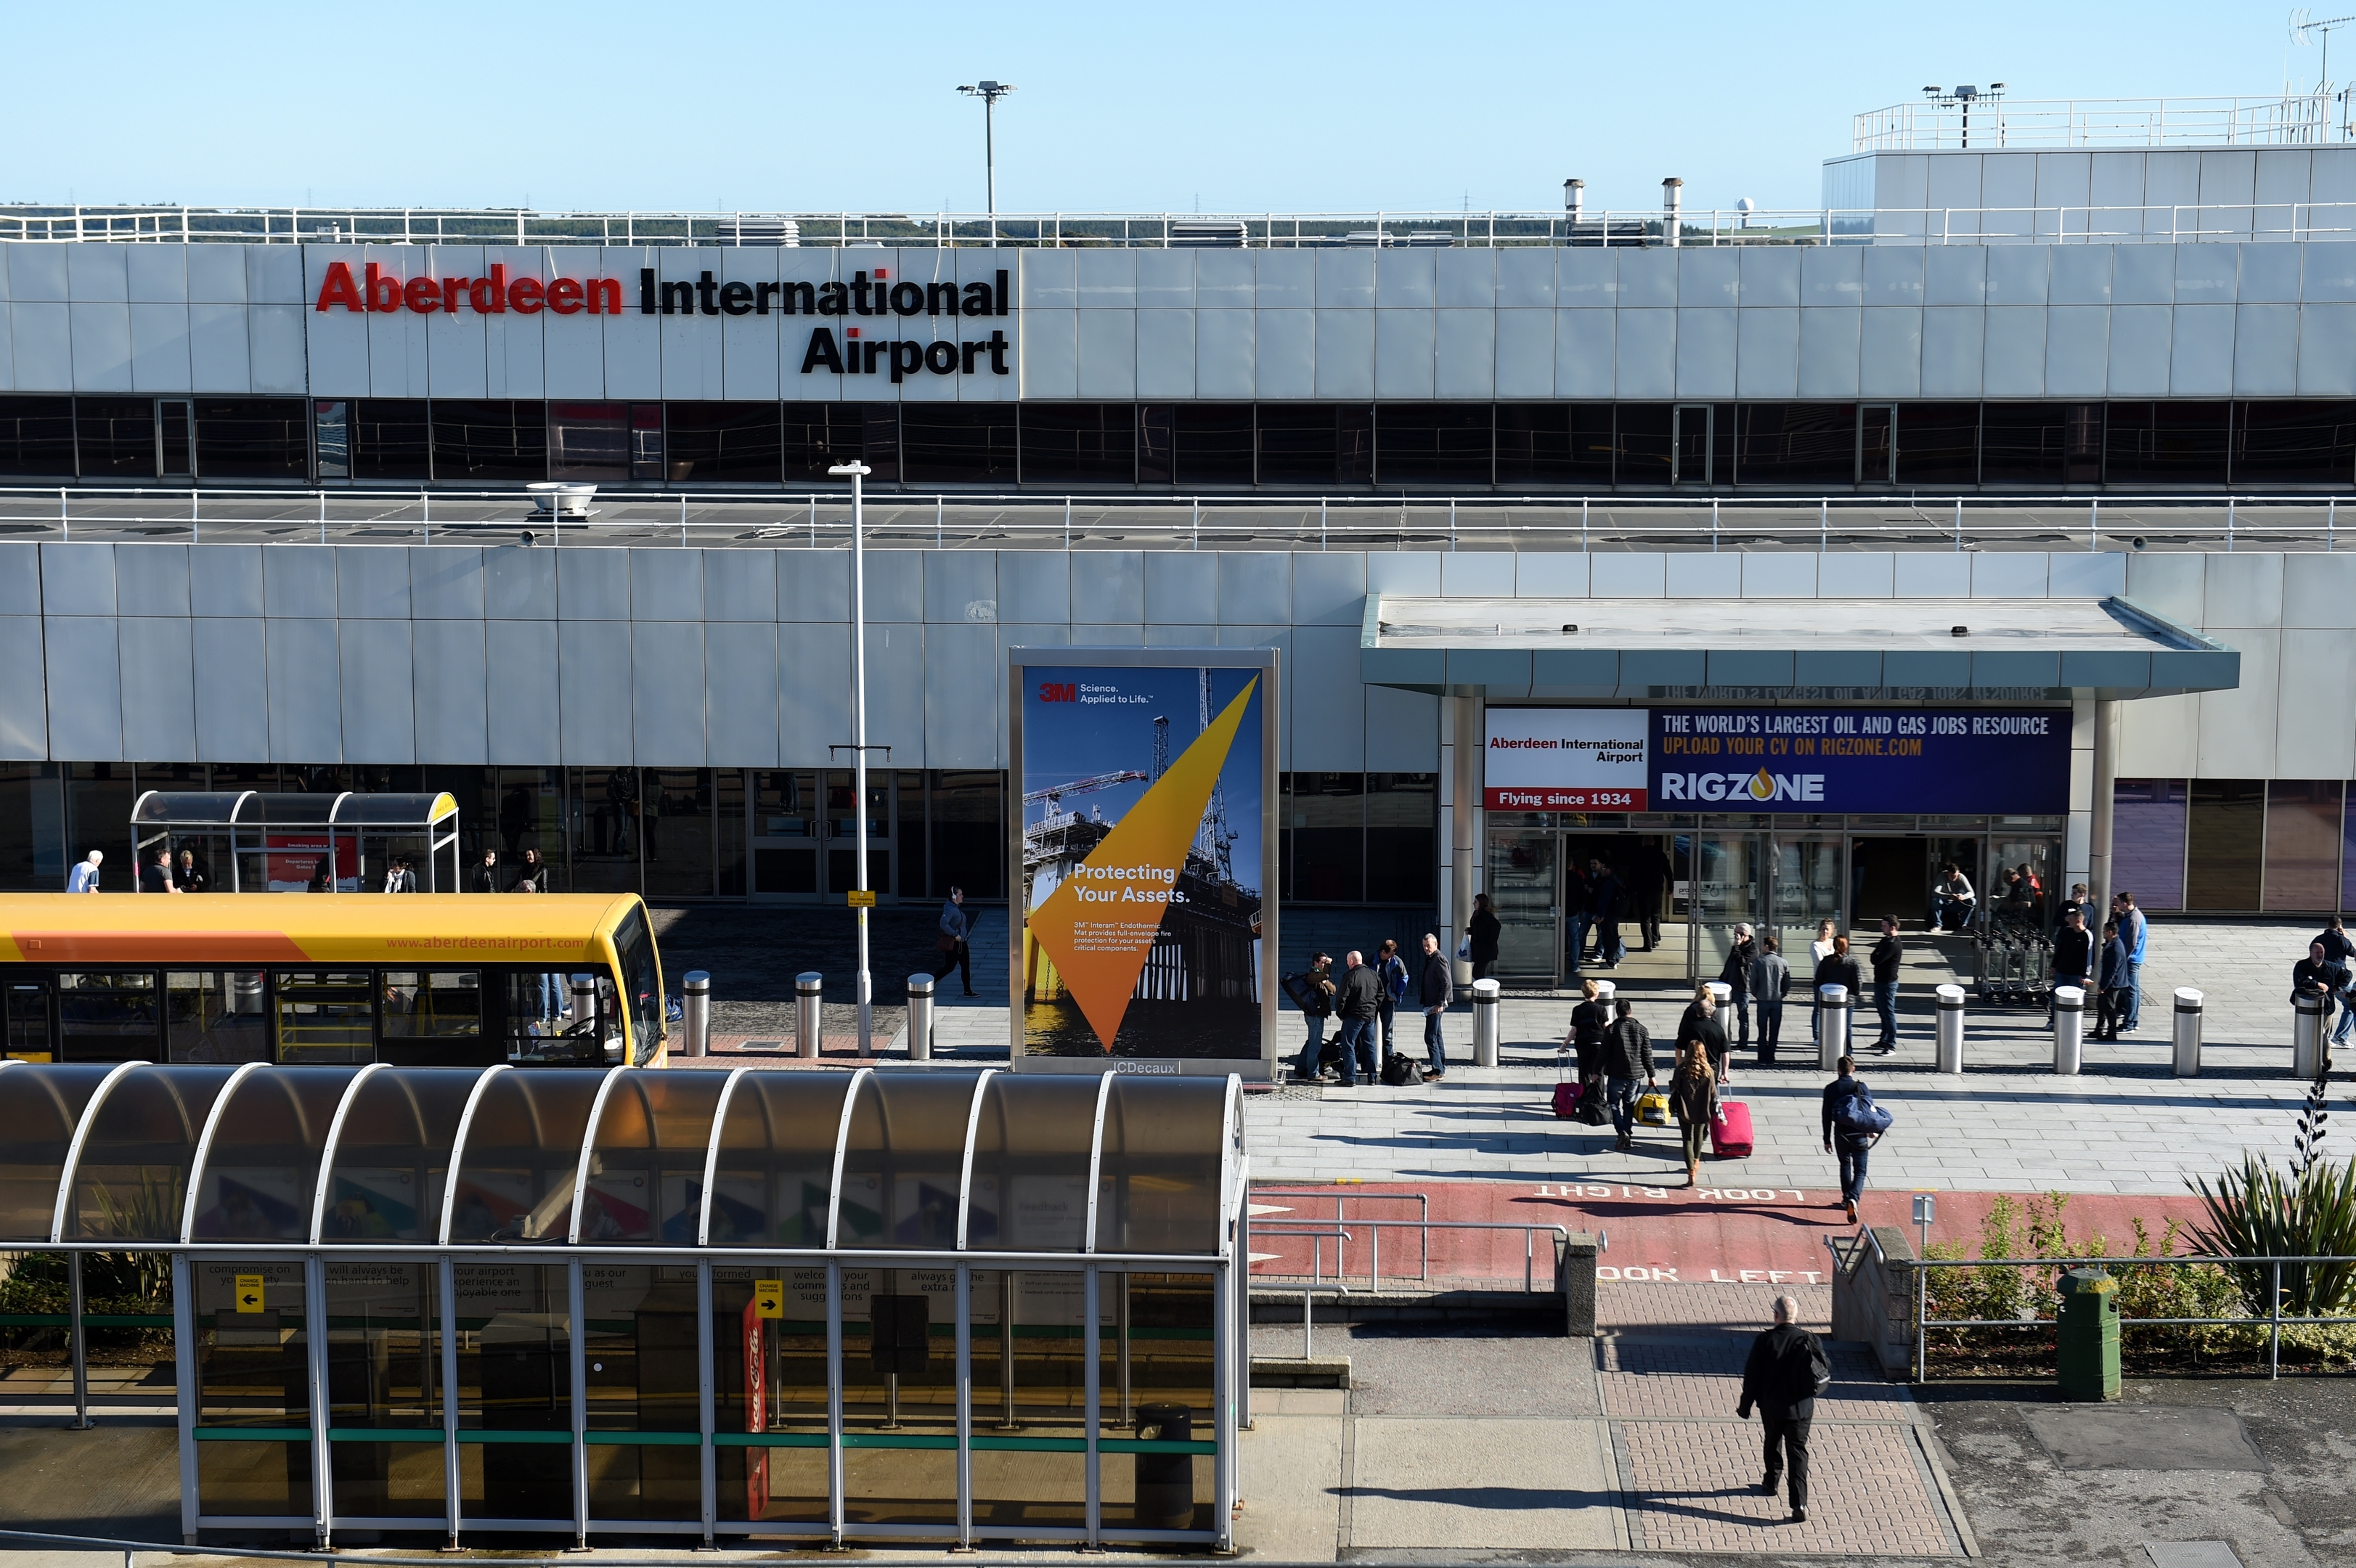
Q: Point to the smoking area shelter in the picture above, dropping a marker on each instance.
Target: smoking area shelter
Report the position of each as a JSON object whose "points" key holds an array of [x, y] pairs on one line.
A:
{"points": [[754, 1304]]}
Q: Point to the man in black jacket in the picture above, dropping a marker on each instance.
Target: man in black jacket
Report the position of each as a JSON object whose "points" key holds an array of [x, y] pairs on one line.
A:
{"points": [[1780, 1379], [1360, 1003], [1735, 976], [1887, 952], [1627, 1056], [1433, 991], [2073, 958]]}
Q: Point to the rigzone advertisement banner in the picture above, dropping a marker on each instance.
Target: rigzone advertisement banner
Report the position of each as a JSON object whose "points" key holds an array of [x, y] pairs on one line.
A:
{"points": [[1143, 867], [1974, 762]]}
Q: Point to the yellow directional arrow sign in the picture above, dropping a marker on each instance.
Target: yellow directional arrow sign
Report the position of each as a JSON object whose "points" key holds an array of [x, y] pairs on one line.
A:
{"points": [[769, 1298], [248, 1293]]}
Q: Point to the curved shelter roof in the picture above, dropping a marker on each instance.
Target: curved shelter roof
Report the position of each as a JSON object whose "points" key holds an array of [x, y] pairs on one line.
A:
{"points": [[770, 1160], [259, 808]]}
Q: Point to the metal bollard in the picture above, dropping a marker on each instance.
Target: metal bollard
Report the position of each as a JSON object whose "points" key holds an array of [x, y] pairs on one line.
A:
{"points": [[2306, 1019], [1833, 1005], [2188, 1031], [807, 988], [1722, 995], [2069, 1030], [695, 1000], [1484, 1022], [1951, 1030], [920, 1018], [1604, 991]]}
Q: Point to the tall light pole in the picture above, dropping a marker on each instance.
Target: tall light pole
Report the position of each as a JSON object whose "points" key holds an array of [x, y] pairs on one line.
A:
{"points": [[990, 92], [863, 898]]}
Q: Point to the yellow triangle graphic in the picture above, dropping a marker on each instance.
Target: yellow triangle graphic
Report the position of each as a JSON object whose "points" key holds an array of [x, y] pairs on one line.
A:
{"points": [[1099, 925]]}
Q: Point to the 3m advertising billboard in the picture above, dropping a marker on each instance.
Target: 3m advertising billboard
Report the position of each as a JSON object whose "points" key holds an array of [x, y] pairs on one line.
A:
{"points": [[1975, 761], [1142, 859]]}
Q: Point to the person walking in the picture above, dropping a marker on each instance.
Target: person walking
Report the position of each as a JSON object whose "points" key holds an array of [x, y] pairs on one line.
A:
{"points": [[2110, 1005], [1316, 1005], [485, 879], [1735, 976], [1838, 968], [953, 940], [1359, 1002], [1818, 950], [2135, 931], [1701, 1032], [1589, 1020], [1392, 970], [1887, 955], [1481, 930], [84, 877], [2073, 959], [1693, 1100], [1851, 1146], [1782, 1375], [1771, 982], [1627, 1059], [1432, 992]]}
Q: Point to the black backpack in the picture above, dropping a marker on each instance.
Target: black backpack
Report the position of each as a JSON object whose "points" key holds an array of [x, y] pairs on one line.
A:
{"points": [[1398, 1071], [1815, 1373]]}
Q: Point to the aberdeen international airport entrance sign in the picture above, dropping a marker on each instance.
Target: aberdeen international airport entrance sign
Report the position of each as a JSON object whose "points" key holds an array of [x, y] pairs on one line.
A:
{"points": [[1144, 859]]}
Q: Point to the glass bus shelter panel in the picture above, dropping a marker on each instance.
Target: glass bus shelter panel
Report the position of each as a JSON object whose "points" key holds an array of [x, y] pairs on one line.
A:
{"points": [[394, 1157], [108, 1015], [384, 1391], [253, 1390], [39, 1108], [186, 808], [1728, 888], [775, 1178], [1029, 1397], [1523, 898], [418, 811], [645, 1458], [769, 1406], [261, 1170], [1031, 1145], [905, 1160], [899, 1386], [645, 1158], [215, 1015], [1160, 1187], [514, 1393], [1157, 1465], [514, 1179], [131, 1181]]}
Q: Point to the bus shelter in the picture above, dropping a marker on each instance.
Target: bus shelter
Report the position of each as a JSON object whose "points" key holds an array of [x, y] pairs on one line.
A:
{"points": [[942, 1306], [256, 841]]}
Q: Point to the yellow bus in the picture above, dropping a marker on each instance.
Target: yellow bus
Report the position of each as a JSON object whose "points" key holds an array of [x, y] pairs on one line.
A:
{"points": [[423, 979]]}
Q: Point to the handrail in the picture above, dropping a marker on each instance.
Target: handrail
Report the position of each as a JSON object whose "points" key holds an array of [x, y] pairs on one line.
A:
{"points": [[1340, 1197], [1373, 1277]]}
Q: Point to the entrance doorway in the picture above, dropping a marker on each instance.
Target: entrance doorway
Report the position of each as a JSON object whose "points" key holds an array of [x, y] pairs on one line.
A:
{"points": [[1889, 876], [804, 834], [1540, 882]]}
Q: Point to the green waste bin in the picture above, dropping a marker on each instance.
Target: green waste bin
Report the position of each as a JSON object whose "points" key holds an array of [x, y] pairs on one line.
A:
{"points": [[2089, 1332]]}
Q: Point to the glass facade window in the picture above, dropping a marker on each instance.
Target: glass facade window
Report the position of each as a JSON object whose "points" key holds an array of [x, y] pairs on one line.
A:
{"points": [[724, 443], [1079, 444], [1326, 816], [36, 437], [2166, 443], [252, 438], [2304, 442], [2303, 830], [392, 439], [819, 435], [489, 441], [589, 440], [2041, 444], [1797, 443], [2148, 827], [1938, 443], [957, 443], [1402, 838], [1643, 435], [1213, 444], [2225, 843], [965, 817], [1433, 443], [115, 437], [1316, 444], [676, 820]]}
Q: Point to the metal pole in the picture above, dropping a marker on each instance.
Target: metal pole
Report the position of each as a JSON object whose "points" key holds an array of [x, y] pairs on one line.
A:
{"points": [[858, 473], [990, 156], [2274, 1329], [78, 1337]]}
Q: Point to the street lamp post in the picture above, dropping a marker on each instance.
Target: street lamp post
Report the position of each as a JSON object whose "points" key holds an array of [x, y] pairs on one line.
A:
{"points": [[857, 471], [990, 92]]}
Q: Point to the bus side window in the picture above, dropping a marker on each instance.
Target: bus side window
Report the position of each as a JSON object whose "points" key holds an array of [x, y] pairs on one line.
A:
{"points": [[107, 1016], [30, 993], [215, 1015], [432, 1003], [325, 1016]]}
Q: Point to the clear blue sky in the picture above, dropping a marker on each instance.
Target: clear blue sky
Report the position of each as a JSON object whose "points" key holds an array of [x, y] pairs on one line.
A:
{"points": [[1136, 108]]}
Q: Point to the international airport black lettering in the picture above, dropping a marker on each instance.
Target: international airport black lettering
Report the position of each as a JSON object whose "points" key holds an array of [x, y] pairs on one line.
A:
{"points": [[902, 357]]}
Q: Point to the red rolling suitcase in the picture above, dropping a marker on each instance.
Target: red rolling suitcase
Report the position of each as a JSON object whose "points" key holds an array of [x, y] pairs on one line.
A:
{"points": [[1566, 1093], [1730, 1130]]}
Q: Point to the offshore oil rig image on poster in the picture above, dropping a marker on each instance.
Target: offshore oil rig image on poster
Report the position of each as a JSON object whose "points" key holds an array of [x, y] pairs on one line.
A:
{"points": [[1097, 746]]}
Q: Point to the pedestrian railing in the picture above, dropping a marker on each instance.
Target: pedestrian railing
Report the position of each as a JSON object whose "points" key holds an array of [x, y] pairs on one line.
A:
{"points": [[1342, 1202], [2272, 1265], [1276, 1229]]}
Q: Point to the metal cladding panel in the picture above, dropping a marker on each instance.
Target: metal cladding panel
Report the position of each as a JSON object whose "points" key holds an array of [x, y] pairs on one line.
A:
{"points": [[1049, 362], [2140, 350], [1329, 733], [232, 687], [448, 662], [226, 580], [814, 689], [1165, 280], [2013, 364], [812, 585], [1749, 666], [1224, 350], [372, 582], [159, 349], [20, 577], [523, 702], [2018, 274], [1425, 668], [1692, 574], [2082, 275], [895, 585], [1592, 669], [101, 346], [1286, 364], [1839, 667], [1954, 275], [299, 584], [77, 578], [1635, 575], [1329, 588], [1526, 278], [1991, 671], [1181, 589], [1109, 586], [519, 583], [1345, 353], [380, 721], [1403, 353], [1771, 275], [740, 585], [1165, 353], [1706, 345], [896, 700], [1767, 352], [666, 671], [2327, 350], [1524, 353], [306, 701], [446, 583], [1588, 279], [593, 585], [962, 697], [593, 669], [740, 693], [220, 355], [1402, 730], [2201, 352], [667, 584], [1892, 275], [1646, 354], [1255, 588], [1586, 353], [41, 349], [2202, 669], [457, 362], [1476, 574], [24, 714], [1489, 667], [1551, 574], [1640, 670], [159, 699], [1912, 667], [2266, 350], [1032, 585], [1106, 354]]}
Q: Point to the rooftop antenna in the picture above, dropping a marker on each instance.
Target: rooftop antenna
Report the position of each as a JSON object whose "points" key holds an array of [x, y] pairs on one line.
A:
{"points": [[1950, 97], [2304, 31], [990, 92]]}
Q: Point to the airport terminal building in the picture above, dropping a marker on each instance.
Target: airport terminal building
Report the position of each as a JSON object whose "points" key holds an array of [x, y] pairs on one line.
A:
{"points": [[2039, 443]]}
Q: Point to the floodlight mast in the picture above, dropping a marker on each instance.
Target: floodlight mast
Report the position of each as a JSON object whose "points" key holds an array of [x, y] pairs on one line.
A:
{"points": [[990, 92]]}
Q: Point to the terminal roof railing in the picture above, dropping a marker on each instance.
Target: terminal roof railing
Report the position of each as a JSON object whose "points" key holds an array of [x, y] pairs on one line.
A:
{"points": [[1991, 122]]}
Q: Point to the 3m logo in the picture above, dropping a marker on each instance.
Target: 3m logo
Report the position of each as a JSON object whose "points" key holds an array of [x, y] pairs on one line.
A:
{"points": [[1059, 691]]}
